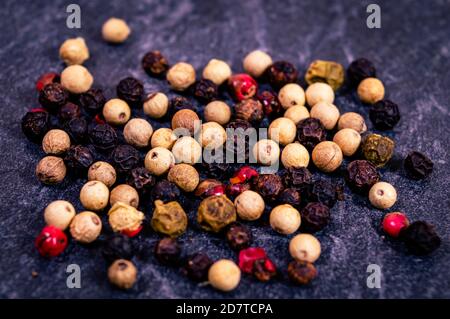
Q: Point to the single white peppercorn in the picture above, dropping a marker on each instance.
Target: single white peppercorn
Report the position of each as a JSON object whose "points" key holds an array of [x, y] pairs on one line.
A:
{"points": [[159, 160], [249, 205], [327, 113], [352, 120], [305, 247], [297, 113], [163, 137], [382, 195], [184, 176], [285, 219], [124, 193], [327, 156], [282, 130], [256, 63], [115, 30], [51, 170], [103, 172], [348, 140], [137, 132], [266, 152], [217, 71], [94, 195], [317, 92], [370, 90], [295, 155], [212, 135], [59, 213], [217, 111], [122, 273], [187, 150], [123, 217], [181, 76], [224, 275], [85, 227], [291, 95], [74, 51], [116, 112], [56, 142], [76, 79], [156, 105]]}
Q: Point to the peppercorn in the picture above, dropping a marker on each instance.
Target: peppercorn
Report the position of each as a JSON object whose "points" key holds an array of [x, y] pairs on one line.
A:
{"points": [[281, 73], [163, 137], [130, 90], [304, 247], [360, 69], [197, 266], [348, 141], [159, 160], [420, 238], [165, 191], [116, 112], [205, 90], [184, 176], [156, 105], [266, 152], [59, 213], [327, 113], [248, 257], [215, 169], [92, 101], [224, 275], [382, 195], [78, 158], [295, 155], [47, 78], [51, 242], [361, 175], [74, 51], [124, 218], [249, 110], [68, 111], [319, 92], [77, 128], [234, 190], [51, 170], [217, 111], [291, 95], [352, 120], [187, 150], [298, 178], [215, 213], [244, 174], [154, 63], [186, 119], [238, 132], [56, 142], [238, 236], [384, 114], [103, 172], [249, 205], [327, 156], [297, 113], [103, 137], [115, 30], [310, 132], [370, 90], [169, 219], [76, 79], [393, 223], [35, 125], [256, 63], [124, 193], [94, 195], [264, 269], [217, 71], [378, 149], [322, 191], [271, 105], [315, 217], [141, 179], [85, 227], [418, 165], [242, 86], [117, 246], [285, 219], [125, 158], [269, 186], [290, 196], [282, 130], [122, 273], [301, 273], [181, 76], [168, 251], [329, 72], [209, 187], [137, 132], [212, 135], [178, 103], [53, 96]]}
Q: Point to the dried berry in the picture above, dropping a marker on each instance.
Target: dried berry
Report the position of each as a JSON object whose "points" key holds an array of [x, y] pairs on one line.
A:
{"points": [[281, 73], [103, 137], [165, 191], [125, 158], [328, 72], [315, 216], [141, 179], [209, 187], [53, 96], [215, 170], [322, 191], [238, 236], [47, 78], [238, 136], [249, 110], [35, 125], [269, 186], [247, 258], [180, 103], [243, 175], [384, 114], [77, 129], [197, 267], [420, 238], [130, 90], [242, 86], [393, 223], [418, 165], [154, 63], [360, 69], [298, 178], [168, 251], [78, 158], [234, 190], [290, 196], [264, 269], [92, 101], [205, 90], [51, 242], [311, 132], [118, 246], [169, 219], [271, 105], [361, 175], [69, 111], [301, 272], [215, 213], [378, 149]]}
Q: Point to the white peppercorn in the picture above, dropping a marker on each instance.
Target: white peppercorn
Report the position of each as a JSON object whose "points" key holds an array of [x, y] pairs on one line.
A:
{"points": [[224, 275], [217, 111], [137, 132], [305, 247], [348, 140], [122, 273], [352, 120], [74, 51], [370, 90], [76, 79], [296, 113], [103, 172], [382, 195], [94, 195], [256, 63], [327, 156], [327, 113], [266, 152], [282, 130], [163, 137], [115, 30], [51, 170], [159, 160], [212, 135], [116, 112], [217, 71], [295, 155], [285, 219], [124, 193], [184, 176], [181, 76], [187, 150], [59, 213], [85, 227], [291, 95], [56, 142], [249, 205], [317, 92], [156, 105], [123, 217]]}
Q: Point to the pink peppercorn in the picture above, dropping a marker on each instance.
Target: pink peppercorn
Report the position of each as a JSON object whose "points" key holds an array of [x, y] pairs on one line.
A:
{"points": [[242, 86], [393, 223], [51, 241]]}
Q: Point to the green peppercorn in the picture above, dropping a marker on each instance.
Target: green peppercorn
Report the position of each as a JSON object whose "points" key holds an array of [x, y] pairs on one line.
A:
{"points": [[378, 149], [329, 72], [216, 212], [169, 219]]}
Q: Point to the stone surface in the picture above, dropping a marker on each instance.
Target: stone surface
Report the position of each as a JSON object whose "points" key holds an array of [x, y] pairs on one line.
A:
{"points": [[411, 52]]}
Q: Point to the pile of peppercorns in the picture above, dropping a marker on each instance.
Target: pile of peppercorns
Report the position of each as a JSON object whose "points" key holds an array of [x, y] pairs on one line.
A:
{"points": [[77, 125]]}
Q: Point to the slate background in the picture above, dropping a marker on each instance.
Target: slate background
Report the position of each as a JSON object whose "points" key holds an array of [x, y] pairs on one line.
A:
{"points": [[411, 52]]}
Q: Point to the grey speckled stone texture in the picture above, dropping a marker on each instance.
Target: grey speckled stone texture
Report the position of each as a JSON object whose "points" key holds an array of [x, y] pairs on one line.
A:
{"points": [[411, 52]]}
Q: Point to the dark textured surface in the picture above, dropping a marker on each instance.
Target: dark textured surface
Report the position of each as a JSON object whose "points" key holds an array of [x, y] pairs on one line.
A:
{"points": [[411, 52]]}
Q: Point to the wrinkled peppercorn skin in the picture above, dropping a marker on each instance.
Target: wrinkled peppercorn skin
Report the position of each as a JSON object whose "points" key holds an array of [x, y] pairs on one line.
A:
{"points": [[322, 191], [92, 101], [180, 103], [205, 90], [131, 91], [77, 128], [169, 219], [418, 165], [237, 137], [298, 178], [361, 175], [47, 78], [378, 149], [118, 246], [269, 186], [328, 72], [35, 125], [315, 217], [271, 105], [264, 269], [384, 115], [165, 191], [281, 73], [420, 238], [168, 251], [53, 96], [290, 196], [124, 158], [155, 64], [310, 132], [301, 273], [249, 110], [360, 69], [78, 158], [215, 213], [238, 236], [141, 180], [197, 266], [103, 137], [68, 111]]}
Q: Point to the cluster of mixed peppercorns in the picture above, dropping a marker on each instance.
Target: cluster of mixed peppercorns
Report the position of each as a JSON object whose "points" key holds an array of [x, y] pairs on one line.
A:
{"points": [[77, 125]]}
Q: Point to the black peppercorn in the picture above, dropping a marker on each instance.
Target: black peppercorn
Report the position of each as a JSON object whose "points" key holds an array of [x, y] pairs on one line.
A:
{"points": [[298, 178], [35, 125], [249, 110], [420, 238], [180, 103], [322, 191], [311, 132], [205, 90], [269, 100], [315, 216], [384, 114], [290, 196], [68, 111], [92, 101], [238, 236], [301, 272], [418, 165], [197, 266], [78, 158], [361, 175], [130, 90], [216, 170], [269, 186], [53, 96], [165, 191], [168, 251], [77, 129], [360, 69], [154, 63], [125, 158], [118, 246], [236, 137], [103, 137], [281, 73], [141, 179]]}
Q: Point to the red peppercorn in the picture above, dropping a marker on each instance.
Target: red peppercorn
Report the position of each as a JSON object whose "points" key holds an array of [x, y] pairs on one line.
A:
{"points": [[393, 223], [132, 233], [264, 269], [51, 241], [271, 105], [242, 86], [247, 258], [47, 78], [244, 174], [233, 190]]}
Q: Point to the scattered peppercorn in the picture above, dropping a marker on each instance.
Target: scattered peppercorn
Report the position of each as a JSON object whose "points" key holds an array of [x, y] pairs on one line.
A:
{"points": [[68, 111], [327, 113], [205, 90], [159, 160], [384, 114], [301, 273], [298, 178], [181, 76], [53, 96], [370, 90], [85, 227], [178, 103], [315, 217], [51, 170], [168, 251], [118, 246], [352, 120], [266, 152], [322, 191], [137, 132], [51, 242], [327, 156], [215, 213], [305, 247], [115, 30], [269, 186], [234, 190], [264, 269], [285, 219], [125, 158], [92, 101], [249, 110], [130, 90], [94, 195], [165, 191], [215, 170], [141, 179], [297, 113], [197, 266], [242, 86], [124, 193], [283, 131], [163, 137], [169, 219], [59, 213], [47, 78], [248, 256], [360, 69], [125, 218], [76, 79], [319, 92], [56, 142], [224, 275], [217, 71], [249, 205], [156, 105], [154, 63], [281, 73], [74, 51], [237, 134], [348, 141], [393, 223], [310, 132], [212, 136], [382, 195], [377, 149], [420, 238], [244, 174], [256, 63], [35, 125], [361, 175], [238, 236], [329, 72], [77, 128], [290, 196], [184, 176], [271, 105], [103, 137], [418, 165], [217, 111], [122, 273], [186, 119]]}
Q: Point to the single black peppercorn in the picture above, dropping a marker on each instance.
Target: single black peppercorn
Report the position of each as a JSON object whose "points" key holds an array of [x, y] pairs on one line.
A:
{"points": [[322, 191], [77, 129], [154, 63], [239, 134], [298, 178], [238, 236], [418, 165], [92, 101], [125, 158], [281, 73], [311, 132], [271, 105], [35, 125], [301, 272], [180, 103], [168, 251], [165, 191], [141, 179], [118, 246], [360, 69], [205, 90], [78, 158], [130, 90], [384, 114], [290, 196], [69, 111], [269, 186], [361, 175], [315, 216], [103, 137], [197, 266], [420, 238], [53, 96]]}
